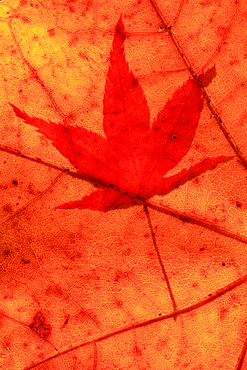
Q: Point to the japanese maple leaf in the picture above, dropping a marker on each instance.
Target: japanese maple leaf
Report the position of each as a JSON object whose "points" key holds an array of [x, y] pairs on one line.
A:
{"points": [[134, 156]]}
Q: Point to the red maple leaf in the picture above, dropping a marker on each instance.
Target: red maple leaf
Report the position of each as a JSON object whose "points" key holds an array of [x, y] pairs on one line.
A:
{"points": [[134, 156]]}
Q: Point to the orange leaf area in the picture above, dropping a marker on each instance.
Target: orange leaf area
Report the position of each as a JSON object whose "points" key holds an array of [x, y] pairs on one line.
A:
{"points": [[123, 185]]}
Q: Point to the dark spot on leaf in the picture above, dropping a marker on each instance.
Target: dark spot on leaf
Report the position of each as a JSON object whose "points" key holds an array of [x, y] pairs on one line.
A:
{"points": [[15, 182], [238, 204], [6, 252], [223, 264], [66, 321], [51, 32], [25, 261], [202, 249], [196, 180], [8, 208], [40, 326]]}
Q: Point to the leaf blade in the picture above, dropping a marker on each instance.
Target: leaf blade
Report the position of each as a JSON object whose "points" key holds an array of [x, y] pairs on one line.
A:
{"points": [[174, 128], [85, 149], [126, 114]]}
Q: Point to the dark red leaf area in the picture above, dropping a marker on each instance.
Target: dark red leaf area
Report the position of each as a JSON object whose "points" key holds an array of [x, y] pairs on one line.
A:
{"points": [[40, 326], [135, 154], [208, 76]]}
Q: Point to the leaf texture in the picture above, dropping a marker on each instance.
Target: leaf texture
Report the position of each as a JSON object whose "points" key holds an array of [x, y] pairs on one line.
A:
{"points": [[142, 114]]}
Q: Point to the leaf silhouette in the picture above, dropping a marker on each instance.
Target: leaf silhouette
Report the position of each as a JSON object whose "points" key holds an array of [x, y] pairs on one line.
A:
{"points": [[134, 156], [161, 285]]}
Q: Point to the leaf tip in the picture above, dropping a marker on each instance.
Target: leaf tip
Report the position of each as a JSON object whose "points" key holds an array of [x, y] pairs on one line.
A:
{"points": [[18, 112], [120, 31], [207, 77]]}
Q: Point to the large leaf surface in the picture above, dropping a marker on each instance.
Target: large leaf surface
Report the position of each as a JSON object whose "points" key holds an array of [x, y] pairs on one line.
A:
{"points": [[160, 285]]}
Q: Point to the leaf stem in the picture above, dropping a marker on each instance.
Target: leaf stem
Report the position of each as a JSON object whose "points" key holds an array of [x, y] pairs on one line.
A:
{"points": [[174, 305]]}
